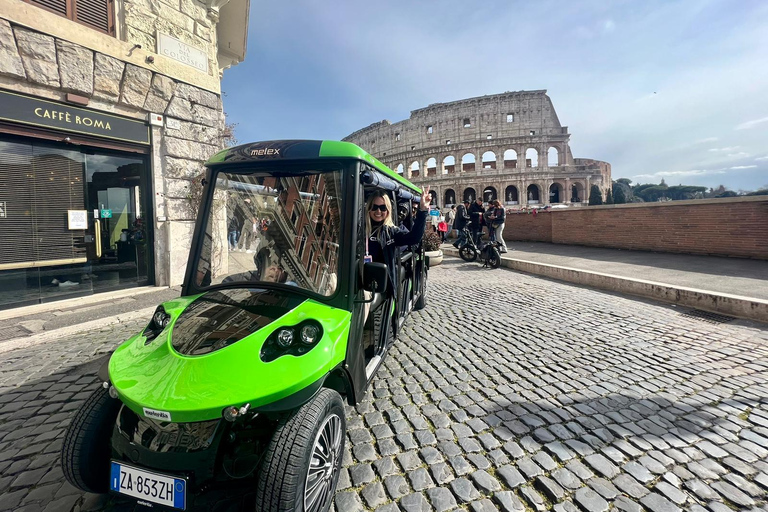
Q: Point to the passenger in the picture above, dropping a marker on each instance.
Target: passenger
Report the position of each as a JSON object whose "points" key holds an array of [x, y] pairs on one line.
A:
{"points": [[383, 237]]}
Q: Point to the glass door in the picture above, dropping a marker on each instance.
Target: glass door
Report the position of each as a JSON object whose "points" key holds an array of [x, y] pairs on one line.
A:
{"points": [[119, 252]]}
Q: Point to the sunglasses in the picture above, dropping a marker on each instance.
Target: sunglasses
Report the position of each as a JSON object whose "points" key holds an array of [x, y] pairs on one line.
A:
{"points": [[380, 207]]}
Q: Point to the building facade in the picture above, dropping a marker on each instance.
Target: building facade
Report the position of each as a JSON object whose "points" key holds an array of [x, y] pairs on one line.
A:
{"points": [[509, 147], [108, 110]]}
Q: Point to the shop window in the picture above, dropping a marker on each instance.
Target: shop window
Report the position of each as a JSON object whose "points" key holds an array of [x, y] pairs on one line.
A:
{"points": [[96, 14]]}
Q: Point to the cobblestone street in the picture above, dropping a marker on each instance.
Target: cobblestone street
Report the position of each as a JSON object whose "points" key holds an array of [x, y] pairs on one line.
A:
{"points": [[508, 392]]}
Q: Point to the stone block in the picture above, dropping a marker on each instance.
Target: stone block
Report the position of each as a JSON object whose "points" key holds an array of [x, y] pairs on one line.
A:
{"points": [[10, 62], [182, 168], [107, 76], [135, 87], [38, 54], [197, 96], [181, 148], [75, 67], [181, 108], [160, 93]]}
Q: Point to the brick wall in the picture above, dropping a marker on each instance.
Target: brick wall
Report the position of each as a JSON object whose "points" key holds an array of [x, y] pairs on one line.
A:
{"points": [[736, 227]]}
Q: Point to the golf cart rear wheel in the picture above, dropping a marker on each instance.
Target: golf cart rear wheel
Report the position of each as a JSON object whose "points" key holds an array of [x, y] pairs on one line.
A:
{"points": [[86, 449], [302, 463], [467, 253]]}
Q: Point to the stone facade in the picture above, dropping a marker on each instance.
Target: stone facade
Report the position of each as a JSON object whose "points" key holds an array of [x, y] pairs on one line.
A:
{"points": [[508, 146], [48, 56]]}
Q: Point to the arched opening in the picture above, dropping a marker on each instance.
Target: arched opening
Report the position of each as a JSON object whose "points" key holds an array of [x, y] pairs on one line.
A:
{"points": [[469, 194], [555, 193], [433, 195], [533, 194], [432, 167], [400, 168], [577, 193], [489, 160], [415, 169], [449, 164], [489, 194], [510, 158], [510, 195], [468, 162], [450, 197], [552, 157], [531, 158]]}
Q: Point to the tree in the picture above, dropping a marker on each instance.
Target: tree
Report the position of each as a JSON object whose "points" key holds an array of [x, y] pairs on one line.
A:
{"points": [[619, 197], [727, 193], [595, 196], [609, 197], [625, 181], [760, 192]]}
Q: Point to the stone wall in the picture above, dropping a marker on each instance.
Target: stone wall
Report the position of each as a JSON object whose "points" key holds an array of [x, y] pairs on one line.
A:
{"points": [[736, 227], [35, 63]]}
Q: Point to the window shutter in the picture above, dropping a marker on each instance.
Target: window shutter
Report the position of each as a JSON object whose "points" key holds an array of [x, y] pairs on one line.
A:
{"points": [[94, 13], [17, 184], [57, 6]]}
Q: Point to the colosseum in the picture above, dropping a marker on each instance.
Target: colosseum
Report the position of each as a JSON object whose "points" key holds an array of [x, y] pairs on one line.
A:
{"points": [[511, 144]]}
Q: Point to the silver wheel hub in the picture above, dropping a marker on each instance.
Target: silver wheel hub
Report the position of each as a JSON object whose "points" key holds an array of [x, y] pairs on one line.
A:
{"points": [[325, 458]]}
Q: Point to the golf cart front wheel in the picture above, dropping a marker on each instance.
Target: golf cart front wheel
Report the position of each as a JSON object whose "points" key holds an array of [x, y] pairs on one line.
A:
{"points": [[467, 253], [302, 463], [86, 450]]}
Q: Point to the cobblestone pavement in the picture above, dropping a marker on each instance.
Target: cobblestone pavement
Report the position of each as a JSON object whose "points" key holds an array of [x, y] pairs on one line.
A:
{"points": [[507, 392]]}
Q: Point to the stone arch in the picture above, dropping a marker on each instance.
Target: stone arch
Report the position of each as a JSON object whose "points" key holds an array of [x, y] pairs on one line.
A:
{"points": [[433, 194], [449, 197], [531, 157], [431, 167], [468, 162], [489, 194], [469, 194], [489, 160], [511, 196], [400, 168], [510, 158], [556, 193], [415, 168], [577, 193], [449, 164], [533, 194], [553, 157]]}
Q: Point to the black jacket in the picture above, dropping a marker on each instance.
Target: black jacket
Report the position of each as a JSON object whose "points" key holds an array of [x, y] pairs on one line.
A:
{"points": [[461, 217], [476, 213], [391, 237]]}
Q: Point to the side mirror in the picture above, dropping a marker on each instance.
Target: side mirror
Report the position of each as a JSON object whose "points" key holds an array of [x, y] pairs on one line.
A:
{"points": [[375, 277]]}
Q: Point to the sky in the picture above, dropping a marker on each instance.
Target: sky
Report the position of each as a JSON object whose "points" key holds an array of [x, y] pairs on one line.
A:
{"points": [[659, 89]]}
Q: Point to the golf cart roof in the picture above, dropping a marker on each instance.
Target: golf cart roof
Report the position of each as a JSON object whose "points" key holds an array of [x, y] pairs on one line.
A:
{"points": [[286, 150]]}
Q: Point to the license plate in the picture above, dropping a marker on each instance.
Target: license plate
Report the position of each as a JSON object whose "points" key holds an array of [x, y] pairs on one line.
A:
{"points": [[148, 486]]}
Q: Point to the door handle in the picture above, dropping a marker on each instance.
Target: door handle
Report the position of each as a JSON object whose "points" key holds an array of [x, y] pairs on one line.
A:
{"points": [[97, 230]]}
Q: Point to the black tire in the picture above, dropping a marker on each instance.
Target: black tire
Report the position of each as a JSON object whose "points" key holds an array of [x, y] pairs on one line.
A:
{"points": [[494, 258], [421, 302], [284, 473], [87, 446], [467, 253]]}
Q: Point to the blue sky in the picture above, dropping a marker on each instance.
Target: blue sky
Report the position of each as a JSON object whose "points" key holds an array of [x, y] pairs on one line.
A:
{"points": [[660, 89]]}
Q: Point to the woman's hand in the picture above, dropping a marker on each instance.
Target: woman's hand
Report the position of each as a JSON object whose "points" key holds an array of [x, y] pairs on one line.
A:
{"points": [[425, 199]]}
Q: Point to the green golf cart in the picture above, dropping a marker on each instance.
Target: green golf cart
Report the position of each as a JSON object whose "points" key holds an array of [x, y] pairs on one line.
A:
{"points": [[242, 380]]}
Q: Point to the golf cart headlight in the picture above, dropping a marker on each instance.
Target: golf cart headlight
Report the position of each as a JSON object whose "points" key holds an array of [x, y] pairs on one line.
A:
{"points": [[310, 333], [285, 337], [161, 318]]}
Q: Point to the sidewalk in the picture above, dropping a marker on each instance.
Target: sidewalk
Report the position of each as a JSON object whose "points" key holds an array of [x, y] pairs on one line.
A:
{"points": [[730, 286], [75, 315]]}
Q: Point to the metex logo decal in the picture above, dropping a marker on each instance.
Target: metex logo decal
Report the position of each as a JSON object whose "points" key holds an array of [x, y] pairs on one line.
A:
{"points": [[157, 415], [266, 152]]}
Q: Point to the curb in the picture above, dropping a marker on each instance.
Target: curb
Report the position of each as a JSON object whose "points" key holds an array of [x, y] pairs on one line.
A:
{"points": [[722, 303], [46, 336]]}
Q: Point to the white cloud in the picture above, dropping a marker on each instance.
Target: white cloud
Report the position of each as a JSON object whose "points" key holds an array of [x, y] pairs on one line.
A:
{"points": [[762, 158], [609, 26], [708, 139], [737, 167], [751, 124], [740, 154], [693, 172], [730, 148]]}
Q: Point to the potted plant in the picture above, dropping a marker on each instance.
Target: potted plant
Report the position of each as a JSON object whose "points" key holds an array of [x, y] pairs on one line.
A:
{"points": [[432, 243]]}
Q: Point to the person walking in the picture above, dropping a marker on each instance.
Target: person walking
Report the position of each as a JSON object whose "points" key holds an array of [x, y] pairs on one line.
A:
{"points": [[460, 223], [450, 217], [498, 222]]}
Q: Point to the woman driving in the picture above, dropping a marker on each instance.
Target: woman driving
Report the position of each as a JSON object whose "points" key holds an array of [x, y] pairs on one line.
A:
{"points": [[383, 237]]}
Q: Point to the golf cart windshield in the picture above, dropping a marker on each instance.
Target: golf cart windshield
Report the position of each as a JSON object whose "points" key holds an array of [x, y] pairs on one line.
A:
{"points": [[275, 227]]}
